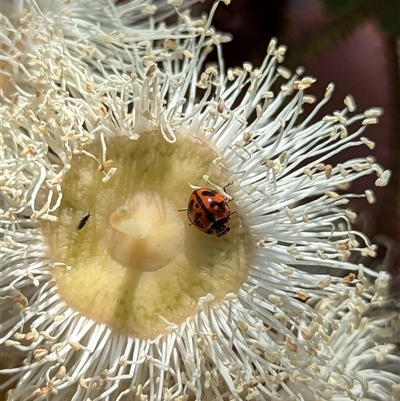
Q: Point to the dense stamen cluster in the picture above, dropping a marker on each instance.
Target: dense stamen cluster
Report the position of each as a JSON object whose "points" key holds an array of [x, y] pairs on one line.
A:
{"points": [[300, 320]]}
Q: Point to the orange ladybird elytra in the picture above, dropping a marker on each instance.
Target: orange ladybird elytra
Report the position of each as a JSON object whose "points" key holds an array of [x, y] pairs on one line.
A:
{"points": [[209, 212]]}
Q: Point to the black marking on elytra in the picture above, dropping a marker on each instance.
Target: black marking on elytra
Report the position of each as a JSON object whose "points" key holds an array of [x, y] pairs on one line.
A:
{"points": [[221, 205], [210, 216], [197, 220], [190, 206], [208, 192]]}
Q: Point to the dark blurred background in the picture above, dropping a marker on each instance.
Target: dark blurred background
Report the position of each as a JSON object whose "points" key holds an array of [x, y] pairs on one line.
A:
{"points": [[355, 44]]}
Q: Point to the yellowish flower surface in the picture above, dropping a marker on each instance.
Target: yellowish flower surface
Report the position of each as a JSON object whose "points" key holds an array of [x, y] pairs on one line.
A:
{"points": [[136, 263]]}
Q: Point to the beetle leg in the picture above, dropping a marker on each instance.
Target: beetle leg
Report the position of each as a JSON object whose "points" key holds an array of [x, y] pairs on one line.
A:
{"points": [[224, 188]]}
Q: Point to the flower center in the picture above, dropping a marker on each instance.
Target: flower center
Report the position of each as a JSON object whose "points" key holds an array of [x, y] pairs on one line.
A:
{"points": [[132, 261], [148, 234]]}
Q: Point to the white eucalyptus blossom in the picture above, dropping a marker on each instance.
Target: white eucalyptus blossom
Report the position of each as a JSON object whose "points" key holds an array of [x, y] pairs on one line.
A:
{"points": [[109, 119]]}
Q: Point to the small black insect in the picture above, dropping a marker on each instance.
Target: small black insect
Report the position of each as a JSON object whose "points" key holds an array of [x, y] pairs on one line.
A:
{"points": [[83, 222]]}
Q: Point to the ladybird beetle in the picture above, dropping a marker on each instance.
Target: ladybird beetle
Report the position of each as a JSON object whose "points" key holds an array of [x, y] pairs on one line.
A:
{"points": [[209, 212]]}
